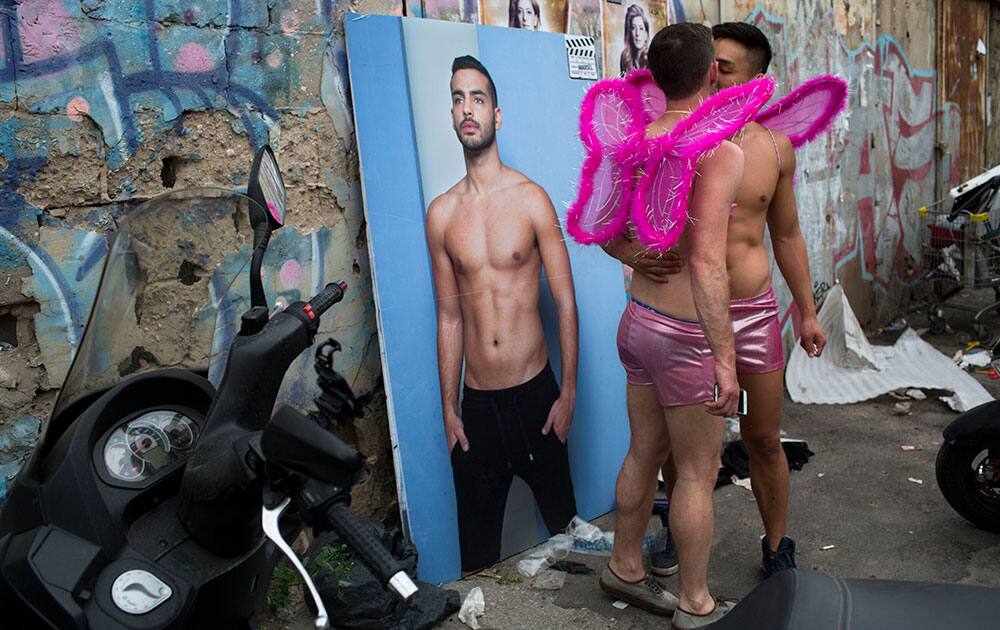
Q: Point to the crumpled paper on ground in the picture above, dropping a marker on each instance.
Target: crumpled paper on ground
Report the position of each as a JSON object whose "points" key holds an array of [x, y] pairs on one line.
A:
{"points": [[472, 608], [852, 370]]}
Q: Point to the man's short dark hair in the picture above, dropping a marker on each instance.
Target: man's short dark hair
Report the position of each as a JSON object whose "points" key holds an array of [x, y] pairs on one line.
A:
{"points": [[468, 62], [680, 56], [751, 37]]}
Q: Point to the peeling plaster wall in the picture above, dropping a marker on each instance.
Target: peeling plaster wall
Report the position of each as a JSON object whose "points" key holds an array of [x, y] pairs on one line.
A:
{"points": [[859, 188], [106, 103]]}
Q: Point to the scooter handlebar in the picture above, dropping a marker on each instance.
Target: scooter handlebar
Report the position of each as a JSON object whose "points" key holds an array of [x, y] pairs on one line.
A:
{"points": [[330, 295], [372, 552]]}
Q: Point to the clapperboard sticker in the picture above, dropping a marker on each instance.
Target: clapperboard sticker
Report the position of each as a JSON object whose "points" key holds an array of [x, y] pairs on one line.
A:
{"points": [[582, 57]]}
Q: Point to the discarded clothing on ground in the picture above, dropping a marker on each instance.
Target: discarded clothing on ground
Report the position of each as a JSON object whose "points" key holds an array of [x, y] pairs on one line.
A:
{"points": [[736, 459], [356, 598]]}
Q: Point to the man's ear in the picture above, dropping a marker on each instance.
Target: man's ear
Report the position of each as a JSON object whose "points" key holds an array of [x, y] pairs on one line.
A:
{"points": [[713, 74], [498, 118]]}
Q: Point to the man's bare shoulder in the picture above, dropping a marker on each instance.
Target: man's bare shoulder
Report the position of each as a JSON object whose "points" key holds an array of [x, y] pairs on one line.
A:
{"points": [[444, 204], [786, 151], [529, 196], [518, 181], [726, 157], [439, 215]]}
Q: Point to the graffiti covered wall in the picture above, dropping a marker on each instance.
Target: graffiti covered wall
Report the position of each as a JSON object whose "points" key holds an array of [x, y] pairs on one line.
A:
{"points": [[859, 188], [105, 103]]}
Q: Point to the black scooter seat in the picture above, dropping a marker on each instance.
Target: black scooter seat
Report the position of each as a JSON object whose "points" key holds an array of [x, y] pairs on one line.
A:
{"points": [[800, 600]]}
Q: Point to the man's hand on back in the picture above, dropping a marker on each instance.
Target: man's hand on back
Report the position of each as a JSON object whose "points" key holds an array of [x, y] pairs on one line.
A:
{"points": [[655, 266]]}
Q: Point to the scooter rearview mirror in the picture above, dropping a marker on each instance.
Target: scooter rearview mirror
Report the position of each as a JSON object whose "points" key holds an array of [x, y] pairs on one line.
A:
{"points": [[266, 187]]}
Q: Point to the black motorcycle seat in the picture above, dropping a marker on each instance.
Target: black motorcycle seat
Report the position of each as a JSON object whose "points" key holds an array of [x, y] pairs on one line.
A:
{"points": [[800, 600]]}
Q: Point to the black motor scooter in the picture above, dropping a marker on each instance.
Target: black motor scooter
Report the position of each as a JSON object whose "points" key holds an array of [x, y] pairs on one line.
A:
{"points": [[155, 499], [968, 465]]}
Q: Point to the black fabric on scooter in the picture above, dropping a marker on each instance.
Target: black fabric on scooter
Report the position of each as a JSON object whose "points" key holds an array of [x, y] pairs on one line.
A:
{"points": [[804, 600], [358, 599]]}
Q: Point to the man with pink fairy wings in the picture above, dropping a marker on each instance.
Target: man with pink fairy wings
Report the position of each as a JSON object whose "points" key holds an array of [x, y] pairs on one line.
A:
{"points": [[675, 341], [766, 200]]}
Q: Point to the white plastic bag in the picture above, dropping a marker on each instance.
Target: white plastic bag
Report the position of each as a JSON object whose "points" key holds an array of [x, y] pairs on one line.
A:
{"points": [[555, 549], [473, 607]]}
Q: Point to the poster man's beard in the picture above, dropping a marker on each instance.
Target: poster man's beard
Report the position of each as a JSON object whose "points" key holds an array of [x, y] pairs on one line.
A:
{"points": [[474, 144]]}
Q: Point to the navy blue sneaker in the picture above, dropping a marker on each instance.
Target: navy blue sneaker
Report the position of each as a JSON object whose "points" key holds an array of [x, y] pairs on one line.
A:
{"points": [[664, 562], [783, 558]]}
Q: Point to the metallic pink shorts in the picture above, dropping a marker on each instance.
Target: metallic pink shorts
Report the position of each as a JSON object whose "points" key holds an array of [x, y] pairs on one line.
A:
{"points": [[758, 334], [669, 353]]}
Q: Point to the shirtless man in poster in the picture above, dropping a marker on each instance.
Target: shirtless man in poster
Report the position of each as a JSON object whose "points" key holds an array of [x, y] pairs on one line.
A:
{"points": [[765, 200], [489, 237]]}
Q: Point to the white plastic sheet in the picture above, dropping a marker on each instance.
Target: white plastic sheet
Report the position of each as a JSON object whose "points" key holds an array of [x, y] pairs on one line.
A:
{"points": [[852, 370]]}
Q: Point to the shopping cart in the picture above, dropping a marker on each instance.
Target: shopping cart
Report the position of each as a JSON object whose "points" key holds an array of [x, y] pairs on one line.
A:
{"points": [[961, 250]]}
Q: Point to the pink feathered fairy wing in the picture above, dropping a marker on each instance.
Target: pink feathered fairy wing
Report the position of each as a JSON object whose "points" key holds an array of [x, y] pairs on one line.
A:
{"points": [[611, 128], [808, 110], [654, 101], [659, 204]]}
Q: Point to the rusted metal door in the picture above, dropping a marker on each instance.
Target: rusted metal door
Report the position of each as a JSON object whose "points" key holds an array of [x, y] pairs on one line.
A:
{"points": [[963, 41]]}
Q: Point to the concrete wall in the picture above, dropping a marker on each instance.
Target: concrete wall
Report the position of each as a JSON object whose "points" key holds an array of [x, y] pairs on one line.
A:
{"points": [[104, 103]]}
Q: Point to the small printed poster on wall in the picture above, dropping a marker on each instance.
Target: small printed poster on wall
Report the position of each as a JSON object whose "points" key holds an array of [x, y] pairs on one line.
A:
{"points": [[449, 10], [584, 18], [628, 29], [532, 15]]}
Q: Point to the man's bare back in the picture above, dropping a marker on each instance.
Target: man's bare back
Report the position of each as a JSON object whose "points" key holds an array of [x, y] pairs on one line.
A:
{"points": [[491, 238], [675, 297]]}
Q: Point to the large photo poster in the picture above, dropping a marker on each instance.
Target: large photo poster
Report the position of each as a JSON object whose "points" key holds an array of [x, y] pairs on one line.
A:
{"points": [[469, 155], [532, 15], [629, 26]]}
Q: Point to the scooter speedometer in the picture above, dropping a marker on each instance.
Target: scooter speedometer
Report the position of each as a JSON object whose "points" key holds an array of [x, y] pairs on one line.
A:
{"points": [[141, 447]]}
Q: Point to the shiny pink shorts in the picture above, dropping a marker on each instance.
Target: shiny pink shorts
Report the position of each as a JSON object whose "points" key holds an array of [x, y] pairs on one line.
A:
{"points": [[758, 334], [669, 353], [673, 355]]}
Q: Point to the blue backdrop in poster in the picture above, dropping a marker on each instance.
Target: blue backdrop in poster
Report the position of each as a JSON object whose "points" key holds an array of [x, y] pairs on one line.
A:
{"points": [[540, 105]]}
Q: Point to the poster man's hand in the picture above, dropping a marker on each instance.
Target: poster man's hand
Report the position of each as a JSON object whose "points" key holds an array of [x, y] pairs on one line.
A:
{"points": [[454, 431], [560, 418]]}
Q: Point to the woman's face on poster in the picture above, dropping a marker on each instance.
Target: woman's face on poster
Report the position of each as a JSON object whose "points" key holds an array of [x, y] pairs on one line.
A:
{"points": [[639, 33], [526, 16]]}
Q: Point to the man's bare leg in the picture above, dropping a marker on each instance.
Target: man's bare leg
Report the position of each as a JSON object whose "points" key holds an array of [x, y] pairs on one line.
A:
{"points": [[760, 430], [695, 438], [637, 480]]}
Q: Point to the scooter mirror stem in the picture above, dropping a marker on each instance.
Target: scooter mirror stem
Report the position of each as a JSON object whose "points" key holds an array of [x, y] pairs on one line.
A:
{"points": [[261, 237]]}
